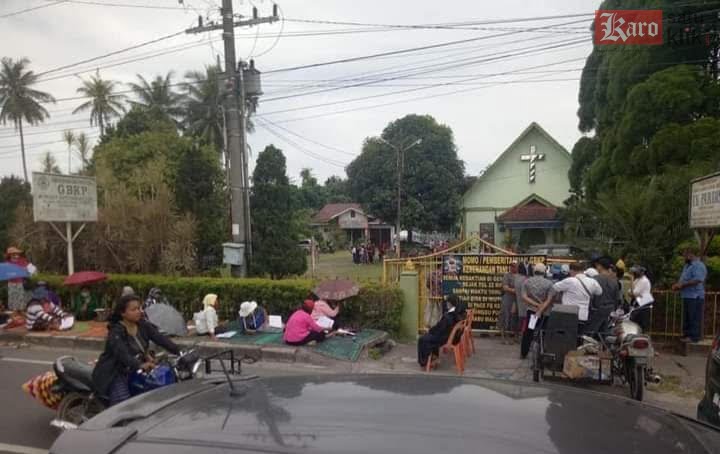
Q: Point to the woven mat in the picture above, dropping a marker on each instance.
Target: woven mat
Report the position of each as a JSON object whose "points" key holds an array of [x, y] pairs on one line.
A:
{"points": [[346, 348]]}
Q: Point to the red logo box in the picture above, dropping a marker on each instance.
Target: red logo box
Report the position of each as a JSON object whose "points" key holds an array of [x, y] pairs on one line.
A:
{"points": [[630, 26]]}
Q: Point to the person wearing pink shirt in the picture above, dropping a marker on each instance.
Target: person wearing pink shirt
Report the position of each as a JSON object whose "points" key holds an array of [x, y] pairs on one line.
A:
{"points": [[323, 309], [301, 328]]}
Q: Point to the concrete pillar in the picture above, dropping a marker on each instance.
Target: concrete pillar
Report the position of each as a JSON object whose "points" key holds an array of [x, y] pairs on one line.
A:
{"points": [[410, 313]]}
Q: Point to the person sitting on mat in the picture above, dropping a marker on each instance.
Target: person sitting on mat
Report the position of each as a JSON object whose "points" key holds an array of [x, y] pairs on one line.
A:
{"points": [[302, 329], [430, 343], [252, 317], [206, 321], [323, 310]]}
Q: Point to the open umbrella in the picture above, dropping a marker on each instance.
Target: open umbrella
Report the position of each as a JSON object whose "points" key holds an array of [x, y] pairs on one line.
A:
{"points": [[336, 289], [9, 271], [85, 278], [168, 320]]}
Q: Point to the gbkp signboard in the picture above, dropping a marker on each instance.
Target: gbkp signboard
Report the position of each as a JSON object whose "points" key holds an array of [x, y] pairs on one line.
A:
{"points": [[64, 198]]}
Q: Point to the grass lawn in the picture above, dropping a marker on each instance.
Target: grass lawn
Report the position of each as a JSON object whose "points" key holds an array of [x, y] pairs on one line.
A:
{"points": [[340, 264]]}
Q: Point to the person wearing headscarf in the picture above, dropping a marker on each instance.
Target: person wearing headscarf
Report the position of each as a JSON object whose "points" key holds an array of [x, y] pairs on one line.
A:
{"points": [[41, 314], [301, 329], [17, 296], [84, 304], [430, 342], [206, 321]]}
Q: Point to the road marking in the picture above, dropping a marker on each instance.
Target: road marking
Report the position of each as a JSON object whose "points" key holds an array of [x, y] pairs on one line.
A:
{"points": [[21, 449], [27, 361]]}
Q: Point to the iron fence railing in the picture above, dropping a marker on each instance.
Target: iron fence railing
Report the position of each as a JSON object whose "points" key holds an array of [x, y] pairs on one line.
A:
{"points": [[667, 315]]}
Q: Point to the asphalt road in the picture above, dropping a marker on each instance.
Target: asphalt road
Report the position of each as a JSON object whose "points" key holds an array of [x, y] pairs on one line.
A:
{"points": [[25, 423]]}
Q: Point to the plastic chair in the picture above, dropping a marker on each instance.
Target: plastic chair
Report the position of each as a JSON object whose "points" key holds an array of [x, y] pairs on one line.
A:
{"points": [[468, 340], [454, 347]]}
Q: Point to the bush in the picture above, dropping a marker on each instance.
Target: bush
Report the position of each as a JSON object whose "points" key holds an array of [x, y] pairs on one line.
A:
{"points": [[376, 306]]}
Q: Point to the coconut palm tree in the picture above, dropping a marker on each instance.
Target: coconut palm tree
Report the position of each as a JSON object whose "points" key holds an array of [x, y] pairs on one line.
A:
{"points": [[158, 94], [103, 104], [204, 116], [83, 147], [19, 101], [69, 139], [49, 163]]}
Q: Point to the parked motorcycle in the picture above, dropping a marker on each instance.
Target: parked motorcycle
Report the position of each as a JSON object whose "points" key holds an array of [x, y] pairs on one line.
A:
{"points": [[632, 352], [80, 403]]}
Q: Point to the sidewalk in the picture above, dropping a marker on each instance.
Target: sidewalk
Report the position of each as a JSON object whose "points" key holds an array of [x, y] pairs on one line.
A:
{"points": [[681, 388]]}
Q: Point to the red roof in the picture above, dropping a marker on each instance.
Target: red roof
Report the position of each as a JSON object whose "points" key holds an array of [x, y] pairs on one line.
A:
{"points": [[331, 210], [530, 212]]}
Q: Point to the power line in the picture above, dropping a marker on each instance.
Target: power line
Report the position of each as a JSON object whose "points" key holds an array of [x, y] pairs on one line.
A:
{"points": [[328, 147], [27, 10], [126, 5], [300, 148], [109, 54], [403, 51]]}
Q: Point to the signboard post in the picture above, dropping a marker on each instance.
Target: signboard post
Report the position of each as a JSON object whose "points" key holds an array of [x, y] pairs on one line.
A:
{"points": [[477, 280], [705, 209], [64, 198]]}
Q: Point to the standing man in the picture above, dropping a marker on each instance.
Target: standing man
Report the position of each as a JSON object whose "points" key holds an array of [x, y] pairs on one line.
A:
{"points": [[578, 290], [692, 289], [603, 305], [537, 293]]}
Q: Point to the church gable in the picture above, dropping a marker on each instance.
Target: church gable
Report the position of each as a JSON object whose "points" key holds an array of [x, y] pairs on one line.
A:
{"points": [[534, 163]]}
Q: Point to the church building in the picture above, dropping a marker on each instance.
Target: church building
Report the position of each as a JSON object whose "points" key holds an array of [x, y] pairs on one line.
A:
{"points": [[515, 202]]}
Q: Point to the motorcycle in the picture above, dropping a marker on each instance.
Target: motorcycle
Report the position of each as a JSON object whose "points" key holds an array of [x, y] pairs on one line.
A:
{"points": [[80, 403], [632, 352]]}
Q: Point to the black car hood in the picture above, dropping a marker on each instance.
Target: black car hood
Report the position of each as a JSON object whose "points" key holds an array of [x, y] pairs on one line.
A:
{"points": [[411, 414]]}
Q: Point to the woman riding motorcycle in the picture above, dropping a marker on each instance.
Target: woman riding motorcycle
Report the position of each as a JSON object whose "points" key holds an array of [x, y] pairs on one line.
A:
{"points": [[126, 350]]}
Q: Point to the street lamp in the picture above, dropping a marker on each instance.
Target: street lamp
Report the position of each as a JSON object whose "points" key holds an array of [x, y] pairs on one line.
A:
{"points": [[400, 150]]}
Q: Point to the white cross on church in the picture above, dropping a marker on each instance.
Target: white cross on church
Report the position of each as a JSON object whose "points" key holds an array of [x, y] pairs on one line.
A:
{"points": [[533, 157]]}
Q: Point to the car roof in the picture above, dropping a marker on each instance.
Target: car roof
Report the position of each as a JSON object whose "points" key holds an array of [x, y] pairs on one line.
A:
{"points": [[397, 414]]}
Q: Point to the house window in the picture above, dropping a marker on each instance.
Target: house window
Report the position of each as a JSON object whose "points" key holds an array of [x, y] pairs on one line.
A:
{"points": [[352, 214]]}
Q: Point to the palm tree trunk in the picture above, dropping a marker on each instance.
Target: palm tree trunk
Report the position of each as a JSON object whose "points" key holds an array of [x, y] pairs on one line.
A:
{"points": [[22, 149], [101, 123]]}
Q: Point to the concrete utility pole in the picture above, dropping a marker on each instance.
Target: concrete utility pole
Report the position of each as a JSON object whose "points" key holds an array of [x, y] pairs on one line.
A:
{"points": [[235, 125], [400, 164]]}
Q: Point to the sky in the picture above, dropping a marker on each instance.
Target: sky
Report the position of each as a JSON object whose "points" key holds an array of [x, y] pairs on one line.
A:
{"points": [[507, 72]]}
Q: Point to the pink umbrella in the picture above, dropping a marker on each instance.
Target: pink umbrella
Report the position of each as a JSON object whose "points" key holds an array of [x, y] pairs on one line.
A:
{"points": [[85, 278]]}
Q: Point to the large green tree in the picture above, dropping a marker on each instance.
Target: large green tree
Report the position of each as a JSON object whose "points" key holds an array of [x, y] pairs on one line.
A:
{"points": [[433, 176], [14, 192], [275, 234], [653, 115], [19, 101], [104, 103]]}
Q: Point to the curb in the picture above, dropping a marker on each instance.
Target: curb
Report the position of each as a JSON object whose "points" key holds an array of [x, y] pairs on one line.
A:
{"points": [[270, 353]]}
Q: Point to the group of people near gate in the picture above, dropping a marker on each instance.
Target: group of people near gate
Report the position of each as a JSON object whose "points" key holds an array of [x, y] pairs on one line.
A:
{"points": [[599, 289]]}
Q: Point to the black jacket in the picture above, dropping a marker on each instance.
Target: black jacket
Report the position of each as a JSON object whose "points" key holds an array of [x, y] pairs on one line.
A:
{"points": [[123, 355]]}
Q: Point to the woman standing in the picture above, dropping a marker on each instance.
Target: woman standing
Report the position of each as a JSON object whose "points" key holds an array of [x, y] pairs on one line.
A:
{"points": [[17, 296], [126, 350], [642, 299]]}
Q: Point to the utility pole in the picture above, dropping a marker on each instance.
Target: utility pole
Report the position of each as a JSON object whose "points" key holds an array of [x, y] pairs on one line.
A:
{"points": [[400, 164], [235, 125]]}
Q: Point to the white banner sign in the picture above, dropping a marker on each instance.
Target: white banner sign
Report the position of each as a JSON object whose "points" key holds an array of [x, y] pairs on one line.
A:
{"points": [[705, 202], [64, 198]]}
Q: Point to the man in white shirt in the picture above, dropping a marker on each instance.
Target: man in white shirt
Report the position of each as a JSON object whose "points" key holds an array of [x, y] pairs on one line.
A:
{"points": [[578, 290]]}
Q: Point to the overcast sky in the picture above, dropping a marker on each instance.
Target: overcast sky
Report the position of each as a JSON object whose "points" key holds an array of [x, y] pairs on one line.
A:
{"points": [[499, 79]]}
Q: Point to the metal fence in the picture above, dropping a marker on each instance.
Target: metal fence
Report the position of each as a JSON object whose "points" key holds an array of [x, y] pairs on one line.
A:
{"points": [[667, 312], [667, 315]]}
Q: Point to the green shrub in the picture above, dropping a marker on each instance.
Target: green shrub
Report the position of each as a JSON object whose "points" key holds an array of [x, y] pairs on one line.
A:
{"points": [[376, 306]]}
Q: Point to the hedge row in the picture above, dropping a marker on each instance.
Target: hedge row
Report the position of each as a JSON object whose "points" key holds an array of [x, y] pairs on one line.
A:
{"points": [[376, 306]]}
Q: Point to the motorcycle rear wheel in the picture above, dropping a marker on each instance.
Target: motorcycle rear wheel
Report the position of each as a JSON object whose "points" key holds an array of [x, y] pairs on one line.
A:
{"points": [[77, 408], [636, 380]]}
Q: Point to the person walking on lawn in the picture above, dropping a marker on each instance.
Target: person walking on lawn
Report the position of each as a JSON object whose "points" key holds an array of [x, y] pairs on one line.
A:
{"points": [[692, 290]]}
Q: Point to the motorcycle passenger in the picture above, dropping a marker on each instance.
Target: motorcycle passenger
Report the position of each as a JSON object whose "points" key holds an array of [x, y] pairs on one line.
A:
{"points": [[126, 350], [642, 299]]}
